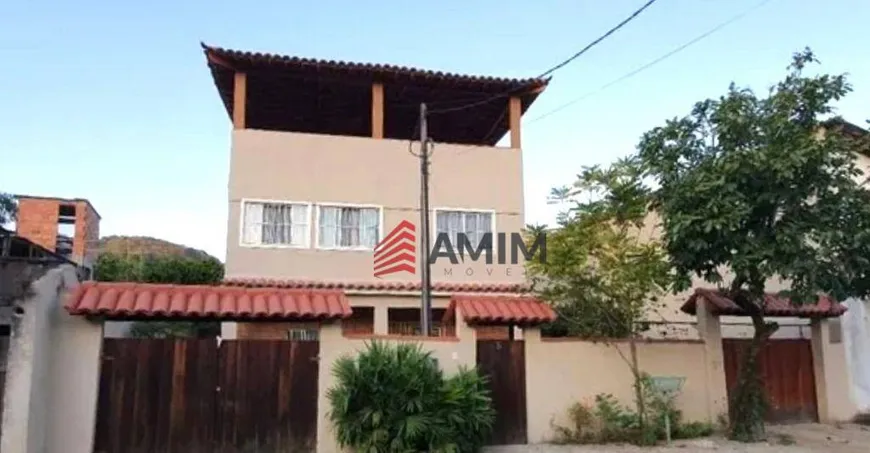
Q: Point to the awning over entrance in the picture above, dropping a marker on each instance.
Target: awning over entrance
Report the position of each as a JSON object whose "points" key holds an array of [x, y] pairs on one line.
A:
{"points": [[500, 310], [138, 300], [774, 306]]}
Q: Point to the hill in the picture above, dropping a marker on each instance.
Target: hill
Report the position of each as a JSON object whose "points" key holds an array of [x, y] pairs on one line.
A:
{"points": [[144, 245]]}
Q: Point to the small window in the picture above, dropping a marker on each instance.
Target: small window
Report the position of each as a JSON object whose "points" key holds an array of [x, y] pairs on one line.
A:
{"points": [[303, 334], [275, 224], [473, 223], [342, 227]]}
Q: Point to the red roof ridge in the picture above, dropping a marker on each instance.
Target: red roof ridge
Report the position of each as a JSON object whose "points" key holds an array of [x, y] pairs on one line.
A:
{"points": [[133, 299], [774, 305], [500, 310]]}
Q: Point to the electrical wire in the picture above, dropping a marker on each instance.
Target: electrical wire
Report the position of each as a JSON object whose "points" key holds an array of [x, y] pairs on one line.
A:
{"points": [[555, 68], [653, 62]]}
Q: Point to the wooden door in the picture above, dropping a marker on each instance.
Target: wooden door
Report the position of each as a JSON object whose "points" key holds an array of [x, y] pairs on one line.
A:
{"points": [[504, 363]]}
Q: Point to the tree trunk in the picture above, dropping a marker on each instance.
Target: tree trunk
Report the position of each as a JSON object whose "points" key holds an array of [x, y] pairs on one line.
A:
{"points": [[638, 388], [749, 404]]}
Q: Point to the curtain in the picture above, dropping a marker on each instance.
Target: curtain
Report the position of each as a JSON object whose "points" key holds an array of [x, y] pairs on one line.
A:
{"points": [[328, 234], [370, 228], [350, 226], [484, 224], [277, 224], [470, 228], [299, 229], [252, 224]]}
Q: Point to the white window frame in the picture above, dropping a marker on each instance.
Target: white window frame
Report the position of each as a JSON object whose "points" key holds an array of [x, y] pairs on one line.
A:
{"points": [[306, 243], [491, 213], [347, 205]]}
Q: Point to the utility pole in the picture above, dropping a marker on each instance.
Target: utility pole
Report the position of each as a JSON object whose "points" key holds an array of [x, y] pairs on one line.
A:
{"points": [[425, 269]]}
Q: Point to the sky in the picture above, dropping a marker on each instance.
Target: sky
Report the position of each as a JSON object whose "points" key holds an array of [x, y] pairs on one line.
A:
{"points": [[113, 102]]}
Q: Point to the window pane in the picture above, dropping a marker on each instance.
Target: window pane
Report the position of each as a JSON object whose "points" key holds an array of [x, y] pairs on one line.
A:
{"points": [[370, 227], [252, 232]]}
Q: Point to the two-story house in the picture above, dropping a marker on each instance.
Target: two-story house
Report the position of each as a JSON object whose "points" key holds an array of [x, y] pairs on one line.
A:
{"points": [[323, 166]]}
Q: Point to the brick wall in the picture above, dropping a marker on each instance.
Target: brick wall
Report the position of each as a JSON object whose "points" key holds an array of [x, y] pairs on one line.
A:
{"points": [[37, 221], [87, 232]]}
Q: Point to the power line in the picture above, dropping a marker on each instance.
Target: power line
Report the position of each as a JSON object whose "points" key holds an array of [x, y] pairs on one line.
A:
{"points": [[601, 38], [556, 67], [654, 62]]}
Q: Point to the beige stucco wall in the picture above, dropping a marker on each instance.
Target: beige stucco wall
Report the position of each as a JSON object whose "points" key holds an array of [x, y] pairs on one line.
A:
{"points": [[561, 373], [315, 168], [451, 355], [833, 381], [53, 374]]}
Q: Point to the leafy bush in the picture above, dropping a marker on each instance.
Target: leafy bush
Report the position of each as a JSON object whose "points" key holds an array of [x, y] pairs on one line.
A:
{"points": [[396, 399], [607, 421]]}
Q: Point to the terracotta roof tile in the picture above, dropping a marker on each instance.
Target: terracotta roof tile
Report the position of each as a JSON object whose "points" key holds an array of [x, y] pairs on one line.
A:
{"points": [[397, 286], [125, 300], [478, 309], [774, 306]]}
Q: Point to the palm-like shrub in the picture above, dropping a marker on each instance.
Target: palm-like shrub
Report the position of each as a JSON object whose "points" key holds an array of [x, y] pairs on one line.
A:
{"points": [[395, 398]]}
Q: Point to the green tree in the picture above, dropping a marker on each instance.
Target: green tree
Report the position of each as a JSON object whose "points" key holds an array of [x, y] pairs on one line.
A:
{"points": [[749, 190], [162, 269], [7, 208], [601, 275]]}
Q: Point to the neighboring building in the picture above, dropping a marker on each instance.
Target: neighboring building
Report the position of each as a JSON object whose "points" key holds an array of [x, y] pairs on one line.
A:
{"points": [[322, 169], [67, 227]]}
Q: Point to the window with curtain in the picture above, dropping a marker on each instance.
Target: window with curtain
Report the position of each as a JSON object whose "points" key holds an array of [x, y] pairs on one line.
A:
{"points": [[473, 223], [279, 224], [346, 227]]}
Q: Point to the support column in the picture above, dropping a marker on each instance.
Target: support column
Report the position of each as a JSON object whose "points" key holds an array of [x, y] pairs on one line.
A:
{"points": [[240, 99], [819, 338], [710, 331], [382, 319], [831, 374], [515, 111], [377, 110]]}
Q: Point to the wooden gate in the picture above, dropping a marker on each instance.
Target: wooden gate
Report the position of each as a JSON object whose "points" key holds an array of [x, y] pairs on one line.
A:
{"points": [[786, 368], [504, 363], [191, 395]]}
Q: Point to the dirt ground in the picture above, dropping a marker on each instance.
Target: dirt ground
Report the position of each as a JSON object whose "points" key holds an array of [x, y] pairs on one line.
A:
{"points": [[802, 438]]}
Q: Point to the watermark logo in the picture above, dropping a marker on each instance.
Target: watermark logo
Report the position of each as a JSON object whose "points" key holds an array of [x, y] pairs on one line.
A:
{"points": [[397, 251]]}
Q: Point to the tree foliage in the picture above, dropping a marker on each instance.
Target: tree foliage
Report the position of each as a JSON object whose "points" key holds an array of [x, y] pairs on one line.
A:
{"points": [[395, 398], [162, 269], [601, 276], [8, 208], [749, 190]]}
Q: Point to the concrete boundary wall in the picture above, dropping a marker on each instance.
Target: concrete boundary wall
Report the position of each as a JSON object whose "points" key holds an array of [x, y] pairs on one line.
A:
{"points": [[560, 373], [53, 373]]}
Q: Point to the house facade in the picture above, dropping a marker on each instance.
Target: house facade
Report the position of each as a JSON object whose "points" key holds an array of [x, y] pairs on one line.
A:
{"points": [[324, 166]]}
